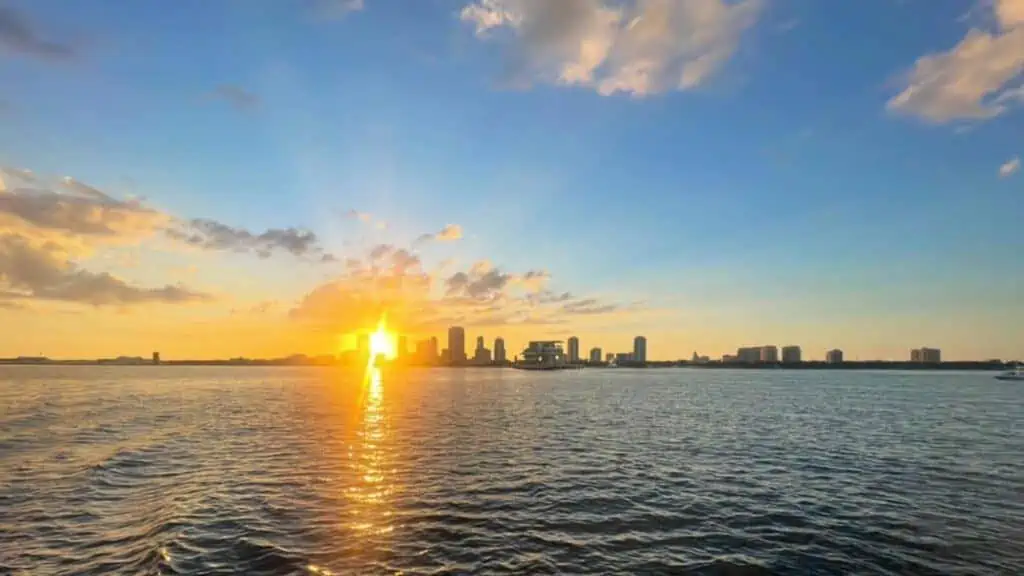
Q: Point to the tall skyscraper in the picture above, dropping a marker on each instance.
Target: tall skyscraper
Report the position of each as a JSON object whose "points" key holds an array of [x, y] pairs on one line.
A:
{"points": [[595, 355], [834, 356], [574, 350], [791, 355], [499, 350], [432, 350], [457, 344], [640, 349], [481, 355], [479, 342], [769, 354]]}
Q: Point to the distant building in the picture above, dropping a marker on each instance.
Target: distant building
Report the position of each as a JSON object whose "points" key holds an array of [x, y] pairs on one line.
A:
{"points": [[456, 344], [915, 355], [403, 347], [639, 349], [446, 356], [624, 357], [500, 356], [834, 356], [749, 355], [926, 355], [769, 354], [595, 355], [574, 350], [730, 359], [482, 356], [791, 355], [156, 358], [609, 357], [698, 359], [432, 350]]}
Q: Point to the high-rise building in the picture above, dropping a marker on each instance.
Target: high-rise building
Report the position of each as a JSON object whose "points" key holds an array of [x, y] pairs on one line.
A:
{"points": [[769, 354], [931, 355], [791, 355], [479, 342], [595, 355], [432, 349], [640, 349], [574, 350], [834, 356], [456, 344], [499, 351], [609, 357]]}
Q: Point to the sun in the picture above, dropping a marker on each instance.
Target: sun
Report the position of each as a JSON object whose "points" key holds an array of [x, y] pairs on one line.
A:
{"points": [[382, 342]]}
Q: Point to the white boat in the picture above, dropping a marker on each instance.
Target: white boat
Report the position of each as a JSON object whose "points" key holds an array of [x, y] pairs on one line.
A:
{"points": [[1015, 374], [542, 355]]}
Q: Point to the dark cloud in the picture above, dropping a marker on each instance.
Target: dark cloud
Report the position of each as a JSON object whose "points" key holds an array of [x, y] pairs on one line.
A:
{"points": [[17, 36], [381, 250], [478, 287], [83, 210], [236, 96], [40, 271], [212, 235]]}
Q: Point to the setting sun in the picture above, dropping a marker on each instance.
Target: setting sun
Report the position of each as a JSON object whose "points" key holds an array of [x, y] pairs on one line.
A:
{"points": [[382, 342]]}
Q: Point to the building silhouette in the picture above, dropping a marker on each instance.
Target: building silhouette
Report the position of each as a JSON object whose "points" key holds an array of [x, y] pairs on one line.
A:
{"points": [[595, 355], [574, 350], [639, 349], [791, 355], [834, 356], [769, 354], [456, 344], [749, 355], [156, 358], [926, 355], [481, 355], [499, 351]]}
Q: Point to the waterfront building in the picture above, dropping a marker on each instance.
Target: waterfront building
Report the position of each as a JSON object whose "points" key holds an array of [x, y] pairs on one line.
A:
{"points": [[574, 350], [769, 354], [595, 355], [834, 356], [500, 356], [640, 349], [791, 355], [456, 344]]}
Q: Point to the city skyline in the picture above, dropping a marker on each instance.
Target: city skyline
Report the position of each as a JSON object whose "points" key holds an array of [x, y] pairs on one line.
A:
{"points": [[695, 172]]}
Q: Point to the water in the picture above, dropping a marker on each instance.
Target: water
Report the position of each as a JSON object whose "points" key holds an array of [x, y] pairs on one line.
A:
{"points": [[190, 470]]}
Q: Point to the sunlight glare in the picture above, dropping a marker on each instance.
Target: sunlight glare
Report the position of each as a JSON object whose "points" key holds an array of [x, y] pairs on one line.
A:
{"points": [[382, 342]]}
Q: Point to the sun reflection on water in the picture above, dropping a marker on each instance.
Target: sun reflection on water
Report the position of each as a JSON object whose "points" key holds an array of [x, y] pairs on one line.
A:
{"points": [[369, 458]]}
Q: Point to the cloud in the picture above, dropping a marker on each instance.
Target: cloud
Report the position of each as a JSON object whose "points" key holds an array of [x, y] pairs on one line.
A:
{"points": [[213, 235], [334, 9], [638, 48], [33, 270], [446, 234], [256, 309], [18, 37], [236, 96], [78, 210], [588, 306], [1011, 167], [973, 80]]}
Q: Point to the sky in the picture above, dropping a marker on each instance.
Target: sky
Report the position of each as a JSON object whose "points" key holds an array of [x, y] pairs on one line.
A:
{"points": [[260, 178]]}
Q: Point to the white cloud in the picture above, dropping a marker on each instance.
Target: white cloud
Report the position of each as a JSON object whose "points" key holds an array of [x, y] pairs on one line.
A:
{"points": [[975, 79], [1010, 168], [638, 48]]}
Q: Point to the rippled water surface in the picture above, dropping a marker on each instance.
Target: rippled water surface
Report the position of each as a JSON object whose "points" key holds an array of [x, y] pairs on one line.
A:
{"points": [[189, 470]]}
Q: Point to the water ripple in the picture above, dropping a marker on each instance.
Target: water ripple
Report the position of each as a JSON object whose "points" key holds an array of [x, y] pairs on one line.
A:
{"points": [[323, 472]]}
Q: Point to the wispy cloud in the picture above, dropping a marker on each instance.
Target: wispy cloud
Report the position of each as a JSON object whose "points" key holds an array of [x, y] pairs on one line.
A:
{"points": [[17, 36], [446, 234], [638, 48], [1009, 168], [334, 9], [236, 96], [973, 80]]}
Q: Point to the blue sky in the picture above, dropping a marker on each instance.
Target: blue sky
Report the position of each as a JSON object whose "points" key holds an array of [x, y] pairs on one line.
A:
{"points": [[780, 180]]}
